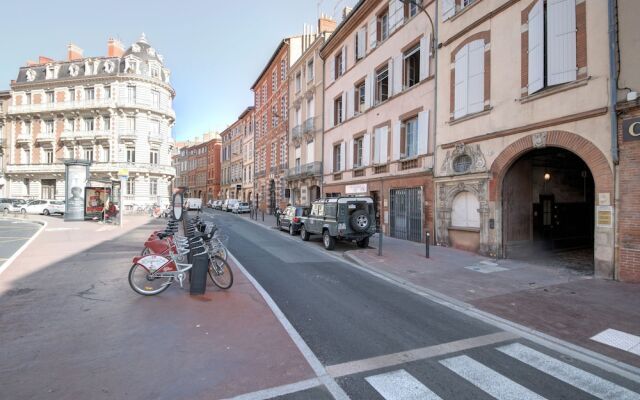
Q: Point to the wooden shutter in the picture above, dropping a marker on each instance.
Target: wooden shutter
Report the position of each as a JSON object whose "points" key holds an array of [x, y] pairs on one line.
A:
{"points": [[362, 42], [536, 48], [461, 72], [423, 132], [561, 41], [475, 92], [342, 156], [425, 56], [397, 75], [448, 9], [384, 144], [373, 33], [332, 69], [344, 59], [366, 149], [395, 144]]}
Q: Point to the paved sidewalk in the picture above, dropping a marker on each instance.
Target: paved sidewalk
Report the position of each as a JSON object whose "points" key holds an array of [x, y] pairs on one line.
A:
{"points": [[560, 302], [71, 327]]}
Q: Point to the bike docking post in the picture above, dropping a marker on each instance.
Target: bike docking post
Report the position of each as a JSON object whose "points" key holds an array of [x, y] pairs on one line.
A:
{"points": [[380, 242], [262, 215], [198, 273], [426, 243]]}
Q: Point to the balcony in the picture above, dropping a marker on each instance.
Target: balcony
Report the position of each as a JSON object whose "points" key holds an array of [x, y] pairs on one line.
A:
{"points": [[67, 136], [128, 136], [155, 138], [88, 105], [23, 138], [57, 168], [46, 139], [96, 168], [303, 171], [296, 133], [311, 125]]}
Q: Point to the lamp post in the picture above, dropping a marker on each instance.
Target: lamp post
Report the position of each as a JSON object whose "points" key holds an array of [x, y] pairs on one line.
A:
{"points": [[421, 8]]}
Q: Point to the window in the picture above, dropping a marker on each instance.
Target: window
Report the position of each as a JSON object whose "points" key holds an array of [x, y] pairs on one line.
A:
{"points": [[131, 124], [27, 98], [380, 145], [106, 155], [411, 73], [462, 163], [89, 94], [464, 211], [131, 93], [382, 85], [131, 187], [155, 72], [49, 156], [298, 81], [27, 156], [48, 127], [383, 26], [274, 80], [88, 124], [357, 151], [283, 107], [274, 116], [551, 44], [153, 186], [469, 79], [88, 154], [298, 152], [27, 128], [50, 97], [361, 44], [107, 123], [310, 71], [410, 8], [310, 152], [337, 110], [153, 157], [155, 98], [70, 125], [131, 154], [264, 94], [337, 161], [359, 95], [107, 92], [409, 138], [283, 69], [339, 64], [72, 94], [155, 128]]}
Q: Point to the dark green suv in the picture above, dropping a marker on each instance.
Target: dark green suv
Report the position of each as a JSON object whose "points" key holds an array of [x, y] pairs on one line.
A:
{"points": [[340, 218]]}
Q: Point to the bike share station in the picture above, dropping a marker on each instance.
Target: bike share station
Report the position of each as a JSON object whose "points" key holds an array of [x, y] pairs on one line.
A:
{"points": [[87, 199]]}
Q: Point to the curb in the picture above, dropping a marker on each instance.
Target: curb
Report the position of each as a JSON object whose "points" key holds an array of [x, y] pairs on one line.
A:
{"points": [[25, 245]]}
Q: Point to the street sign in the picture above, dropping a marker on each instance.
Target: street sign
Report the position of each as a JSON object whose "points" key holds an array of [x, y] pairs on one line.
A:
{"points": [[123, 173]]}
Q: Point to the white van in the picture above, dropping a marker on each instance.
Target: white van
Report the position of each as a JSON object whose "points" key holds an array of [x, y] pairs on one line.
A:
{"points": [[228, 204], [193, 203]]}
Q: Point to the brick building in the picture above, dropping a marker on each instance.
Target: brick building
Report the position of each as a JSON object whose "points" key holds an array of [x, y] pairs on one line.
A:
{"points": [[271, 92], [213, 166], [247, 131]]}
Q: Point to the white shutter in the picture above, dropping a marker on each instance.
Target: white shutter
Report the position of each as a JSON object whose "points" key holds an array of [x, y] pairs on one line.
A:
{"points": [[344, 59], [349, 155], [349, 106], [298, 152], [396, 14], [373, 34], [331, 114], [448, 9], [561, 41], [384, 144], [397, 74], [332, 69], [536, 48], [344, 106], [310, 152], [395, 144], [342, 156], [362, 42], [425, 56], [423, 132], [461, 72], [476, 77], [330, 159], [369, 90], [366, 149], [376, 145]]}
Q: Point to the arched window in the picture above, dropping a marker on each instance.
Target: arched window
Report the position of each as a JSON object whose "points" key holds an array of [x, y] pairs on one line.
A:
{"points": [[464, 211]]}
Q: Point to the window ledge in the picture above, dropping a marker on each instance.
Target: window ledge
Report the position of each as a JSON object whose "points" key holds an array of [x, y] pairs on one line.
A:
{"points": [[462, 11], [554, 89], [470, 116], [464, 228]]}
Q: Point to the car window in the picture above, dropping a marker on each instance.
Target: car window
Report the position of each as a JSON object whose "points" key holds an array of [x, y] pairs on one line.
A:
{"points": [[330, 209]]}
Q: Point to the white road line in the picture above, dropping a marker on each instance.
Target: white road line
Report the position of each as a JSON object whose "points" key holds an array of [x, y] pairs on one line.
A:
{"points": [[618, 339], [497, 385], [400, 385], [279, 390], [15, 255], [567, 373]]}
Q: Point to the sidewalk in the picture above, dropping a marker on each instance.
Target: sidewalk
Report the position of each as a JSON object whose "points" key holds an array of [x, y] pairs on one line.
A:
{"points": [[559, 302]]}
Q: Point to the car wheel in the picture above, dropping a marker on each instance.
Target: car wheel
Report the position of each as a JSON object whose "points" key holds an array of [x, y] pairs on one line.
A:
{"points": [[304, 235], [328, 240], [360, 221], [45, 212], [292, 231], [364, 243], [23, 211]]}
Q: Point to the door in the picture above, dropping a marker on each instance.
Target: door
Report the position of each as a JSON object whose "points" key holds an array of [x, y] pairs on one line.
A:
{"points": [[406, 214], [48, 189]]}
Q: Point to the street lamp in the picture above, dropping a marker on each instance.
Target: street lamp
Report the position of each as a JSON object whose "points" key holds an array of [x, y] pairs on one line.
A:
{"points": [[433, 36]]}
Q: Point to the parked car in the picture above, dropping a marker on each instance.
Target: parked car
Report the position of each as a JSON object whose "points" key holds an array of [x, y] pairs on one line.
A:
{"points": [[240, 207], [193, 203], [291, 218], [8, 205], [45, 207], [340, 218], [219, 204], [228, 204]]}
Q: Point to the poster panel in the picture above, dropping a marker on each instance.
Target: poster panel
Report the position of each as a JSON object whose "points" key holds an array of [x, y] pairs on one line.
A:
{"points": [[76, 180], [95, 201]]}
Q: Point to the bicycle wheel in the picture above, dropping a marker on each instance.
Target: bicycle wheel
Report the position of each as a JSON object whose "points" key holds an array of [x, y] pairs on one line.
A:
{"points": [[142, 283], [220, 272]]}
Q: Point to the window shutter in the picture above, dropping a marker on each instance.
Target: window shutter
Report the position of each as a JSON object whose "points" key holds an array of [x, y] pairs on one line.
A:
{"points": [[461, 71], [310, 152], [373, 34], [423, 132], [331, 115], [361, 42], [396, 14], [342, 155], [395, 144], [330, 159], [349, 104], [344, 59], [349, 155], [384, 144], [369, 90], [476, 77], [397, 74], [425, 56], [536, 48], [344, 106], [561, 41], [366, 149], [376, 146], [448, 9], [332, 69]]}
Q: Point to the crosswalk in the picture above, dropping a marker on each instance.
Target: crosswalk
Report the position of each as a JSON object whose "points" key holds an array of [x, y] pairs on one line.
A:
{"points": [[401, 385]]}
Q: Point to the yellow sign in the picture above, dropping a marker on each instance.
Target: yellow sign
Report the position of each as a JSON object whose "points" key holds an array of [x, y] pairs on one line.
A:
{"points": [[604, 216], [123, 172]]}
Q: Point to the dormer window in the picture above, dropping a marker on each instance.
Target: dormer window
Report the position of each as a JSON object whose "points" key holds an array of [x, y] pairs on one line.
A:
{"points": [[31, 75], [131, 65], [50, 72]]}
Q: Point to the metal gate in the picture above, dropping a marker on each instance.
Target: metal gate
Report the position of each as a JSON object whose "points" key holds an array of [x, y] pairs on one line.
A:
{"points": [[406, 214]]}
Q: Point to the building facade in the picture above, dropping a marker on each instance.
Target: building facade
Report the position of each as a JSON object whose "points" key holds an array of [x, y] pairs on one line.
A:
{"points": [[271, 93], [5, 98], [523, 150], [247, 131], [379, 101], [115, 111], [232, 160], [306, 89], [214, 166]]}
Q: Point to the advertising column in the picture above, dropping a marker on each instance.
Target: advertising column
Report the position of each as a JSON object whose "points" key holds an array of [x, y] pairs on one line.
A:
{"points": [[76, 177]]}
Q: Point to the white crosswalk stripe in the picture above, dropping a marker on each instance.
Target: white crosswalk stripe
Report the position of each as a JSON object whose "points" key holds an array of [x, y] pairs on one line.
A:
{"points": [[567, 373], [488, 380], [400, 385]]}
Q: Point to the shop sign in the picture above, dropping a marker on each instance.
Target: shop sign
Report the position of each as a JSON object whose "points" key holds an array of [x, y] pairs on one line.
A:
{"points": [[356, 189], [604, 216], [631, 129]]}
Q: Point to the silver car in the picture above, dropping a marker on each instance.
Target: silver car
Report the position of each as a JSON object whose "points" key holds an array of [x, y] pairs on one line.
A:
{"points": [[240, 207]]}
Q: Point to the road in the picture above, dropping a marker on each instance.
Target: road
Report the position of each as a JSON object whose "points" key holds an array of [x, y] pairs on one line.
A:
{"points": [[372, 339], [13, 234]]}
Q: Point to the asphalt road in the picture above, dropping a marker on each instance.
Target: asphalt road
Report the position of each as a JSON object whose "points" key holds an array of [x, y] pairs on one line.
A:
{"points": [[13, 234], [377, 340]]}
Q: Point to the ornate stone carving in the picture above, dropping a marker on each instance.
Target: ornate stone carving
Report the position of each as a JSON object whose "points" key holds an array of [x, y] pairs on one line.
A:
{"points": [[31, 75], [109, 66], [539, 140], [74, 69], [478, 162]]}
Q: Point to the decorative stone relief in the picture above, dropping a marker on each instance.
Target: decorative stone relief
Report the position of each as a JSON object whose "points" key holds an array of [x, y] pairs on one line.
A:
{"points": [[539, 140], [74, 70], [31, 75], [109, 66], [464, 159]]}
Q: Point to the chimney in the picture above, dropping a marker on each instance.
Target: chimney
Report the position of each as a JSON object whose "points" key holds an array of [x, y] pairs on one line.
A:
{"points": [[345, 12], [31, 63], [44, 60], [326, 24], [114, 48], [73, 52]]}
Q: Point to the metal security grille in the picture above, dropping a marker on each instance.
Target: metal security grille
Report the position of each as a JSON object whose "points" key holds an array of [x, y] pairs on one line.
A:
{"points": [[406, 214]]}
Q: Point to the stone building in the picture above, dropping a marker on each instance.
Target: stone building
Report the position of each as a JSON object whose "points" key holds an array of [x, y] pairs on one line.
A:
{"points": [[232, 160], [247, 131], [378, 113], [213, 166], [523, 158], [114, 110], [5, 98]]}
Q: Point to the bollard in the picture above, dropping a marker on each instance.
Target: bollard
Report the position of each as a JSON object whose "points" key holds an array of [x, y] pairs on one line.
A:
{"points": [[426, 244], [380, 242], [262, 215]]}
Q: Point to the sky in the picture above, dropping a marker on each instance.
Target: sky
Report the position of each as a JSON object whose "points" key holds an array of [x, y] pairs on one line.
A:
{"points": [[215, 49]]}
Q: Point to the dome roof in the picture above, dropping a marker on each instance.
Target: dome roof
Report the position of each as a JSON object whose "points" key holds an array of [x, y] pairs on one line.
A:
{"points": [[143, 50]]}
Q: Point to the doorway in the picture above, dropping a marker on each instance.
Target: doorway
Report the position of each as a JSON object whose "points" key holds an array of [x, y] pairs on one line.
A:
{"points": [[48, 189]]}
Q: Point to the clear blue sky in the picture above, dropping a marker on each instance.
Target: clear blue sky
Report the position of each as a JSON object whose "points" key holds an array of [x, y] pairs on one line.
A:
{"points": [[215, 49]]}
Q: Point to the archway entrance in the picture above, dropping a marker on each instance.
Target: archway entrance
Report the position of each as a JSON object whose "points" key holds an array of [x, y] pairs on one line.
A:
{"points": [[548, 202]]}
